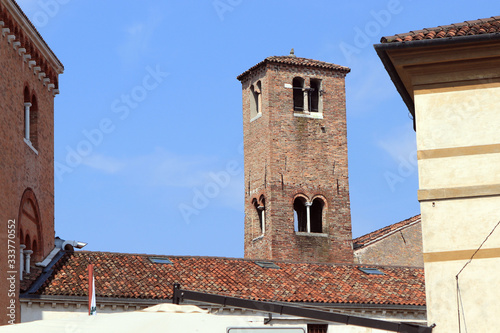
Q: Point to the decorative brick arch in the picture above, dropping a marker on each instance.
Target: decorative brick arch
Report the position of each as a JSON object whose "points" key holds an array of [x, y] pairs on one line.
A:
{"points": [[29, 221]]}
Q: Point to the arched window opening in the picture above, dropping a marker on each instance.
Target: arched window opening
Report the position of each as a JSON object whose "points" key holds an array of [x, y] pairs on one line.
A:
{"points": [[27, 242], [314, 96], [255, 99], [317, 215], [33, 125], [34, 247], [21, 237], [298, 94], [300, 214], [260, 207], [27, 106]]}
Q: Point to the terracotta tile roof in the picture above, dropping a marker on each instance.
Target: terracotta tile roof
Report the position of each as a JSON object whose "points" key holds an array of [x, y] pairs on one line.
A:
{"points": [[482, 26], [385, 231], [135, 276], [28, 279], [295, 61]]}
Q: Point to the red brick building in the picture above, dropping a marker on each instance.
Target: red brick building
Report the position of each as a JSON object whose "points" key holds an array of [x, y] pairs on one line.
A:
{"points": [[29, 79], [296, 178]]}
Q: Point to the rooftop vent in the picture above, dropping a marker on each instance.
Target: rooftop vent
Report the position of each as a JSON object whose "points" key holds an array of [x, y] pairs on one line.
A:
{"points": [[371, 271], [159, 260], [267, 264]]}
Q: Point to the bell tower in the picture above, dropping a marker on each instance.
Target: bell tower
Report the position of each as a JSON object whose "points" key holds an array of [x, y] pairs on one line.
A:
{"points": [[296, 179]]}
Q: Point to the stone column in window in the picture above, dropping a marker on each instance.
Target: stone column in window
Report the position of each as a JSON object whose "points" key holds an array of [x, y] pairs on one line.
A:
{"points": [[27, 106], [21, 261], [308, 210], [27, 261], [262, 211]]}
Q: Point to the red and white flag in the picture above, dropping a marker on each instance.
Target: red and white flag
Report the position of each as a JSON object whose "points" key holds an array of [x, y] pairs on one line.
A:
{"points": [[92, 305]]}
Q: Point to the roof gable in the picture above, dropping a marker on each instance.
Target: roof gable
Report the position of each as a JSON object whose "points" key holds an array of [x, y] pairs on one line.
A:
{"points": [[384, 232]]}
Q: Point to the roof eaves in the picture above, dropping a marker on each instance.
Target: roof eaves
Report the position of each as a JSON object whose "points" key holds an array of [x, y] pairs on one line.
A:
{"points": [[38, 39], [386, 44]]}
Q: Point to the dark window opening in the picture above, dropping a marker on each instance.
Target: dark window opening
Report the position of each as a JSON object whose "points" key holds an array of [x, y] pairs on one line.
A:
{"points": [[300, 214], [317, 328], [314, 94], [260, 208], [317, 215], [255, 99], [298, 94], [33, 114]]}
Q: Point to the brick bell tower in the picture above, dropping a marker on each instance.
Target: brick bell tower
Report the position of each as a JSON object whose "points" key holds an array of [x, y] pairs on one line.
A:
{"points": [[296, 179]]}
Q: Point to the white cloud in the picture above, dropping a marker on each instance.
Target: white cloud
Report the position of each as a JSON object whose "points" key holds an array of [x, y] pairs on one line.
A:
{"points": [[400, 143], [103, 163], [138, 38]]}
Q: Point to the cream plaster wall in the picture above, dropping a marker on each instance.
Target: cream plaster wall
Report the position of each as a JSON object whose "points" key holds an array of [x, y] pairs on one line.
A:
{"points": [[453, 228], [457, 118]]}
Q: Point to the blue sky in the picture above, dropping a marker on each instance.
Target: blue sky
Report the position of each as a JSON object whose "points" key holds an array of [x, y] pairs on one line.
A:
{"points": [[149, 115]]}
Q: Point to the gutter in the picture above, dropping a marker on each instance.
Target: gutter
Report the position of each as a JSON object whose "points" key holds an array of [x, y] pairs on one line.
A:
{"points": [[382, 49]]}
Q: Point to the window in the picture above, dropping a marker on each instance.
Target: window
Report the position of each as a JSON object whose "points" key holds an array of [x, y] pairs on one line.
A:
{"points": [[255, 100], [317, 328], [33, 128], [371, 270], [160, 260], [267, 264], [314, 96], [300, 214], [298, 94], [260, 207], [30, 120], [308, 216], [307, 101], [317, 215]]}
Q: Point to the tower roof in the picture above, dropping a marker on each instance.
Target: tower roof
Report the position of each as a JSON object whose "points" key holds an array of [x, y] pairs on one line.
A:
{"points": [[295, 61]]}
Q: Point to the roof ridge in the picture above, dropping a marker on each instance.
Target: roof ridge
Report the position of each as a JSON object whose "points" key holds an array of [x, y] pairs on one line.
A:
{"points": [[385, 231]]}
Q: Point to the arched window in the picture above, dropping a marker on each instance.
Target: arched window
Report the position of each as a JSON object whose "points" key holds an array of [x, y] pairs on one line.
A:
{"points": [[317, 215], [298, 94], [308, 216], [255, 99], [34, 247], [33, 127], [300, 214], [314, 96], [27, 106], [27, 242], [260, 208]]}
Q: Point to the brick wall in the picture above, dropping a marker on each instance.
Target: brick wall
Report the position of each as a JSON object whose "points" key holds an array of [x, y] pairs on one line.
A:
{"points": [[286, 156], [22, 171], [400, 248]]}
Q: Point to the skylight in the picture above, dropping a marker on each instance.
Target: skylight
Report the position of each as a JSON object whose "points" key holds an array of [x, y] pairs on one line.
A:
{"points": [[371, 271], [267, 264], [160, 260]]}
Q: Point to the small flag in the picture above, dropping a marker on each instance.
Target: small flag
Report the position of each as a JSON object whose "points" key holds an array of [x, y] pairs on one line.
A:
{"points": [[92, 305]]}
